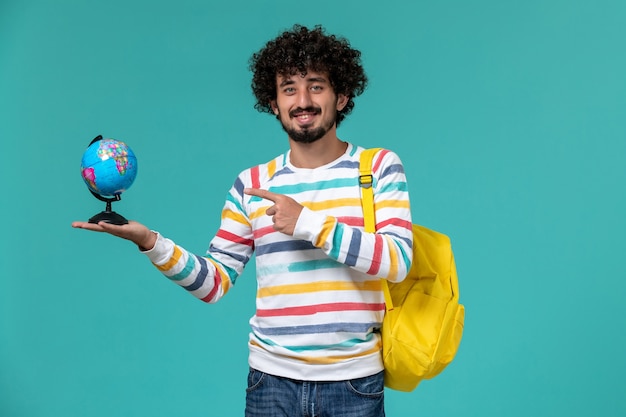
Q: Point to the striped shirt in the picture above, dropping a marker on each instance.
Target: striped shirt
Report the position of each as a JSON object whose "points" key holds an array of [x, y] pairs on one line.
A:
{"points": [[319, 302]]}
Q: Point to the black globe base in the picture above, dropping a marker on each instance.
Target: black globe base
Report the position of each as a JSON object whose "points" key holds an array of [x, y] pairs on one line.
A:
{"points": [[109, 217]]}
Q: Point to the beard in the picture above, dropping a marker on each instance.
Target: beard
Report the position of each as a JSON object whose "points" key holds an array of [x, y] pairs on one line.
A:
{"points": [[305, 134]]}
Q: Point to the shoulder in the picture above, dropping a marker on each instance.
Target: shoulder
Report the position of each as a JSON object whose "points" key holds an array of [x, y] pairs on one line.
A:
{"points": [[257, 175], [382, 158]]}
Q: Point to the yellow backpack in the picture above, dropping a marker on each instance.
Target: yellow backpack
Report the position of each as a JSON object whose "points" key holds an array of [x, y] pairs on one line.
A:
{"points": [[423, 324]]}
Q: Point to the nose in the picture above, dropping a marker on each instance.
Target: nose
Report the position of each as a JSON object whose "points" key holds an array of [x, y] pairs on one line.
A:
{"points": [[304, 98]]}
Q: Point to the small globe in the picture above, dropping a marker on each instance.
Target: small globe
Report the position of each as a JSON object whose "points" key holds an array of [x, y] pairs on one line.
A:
{"points": [[108, 167]]}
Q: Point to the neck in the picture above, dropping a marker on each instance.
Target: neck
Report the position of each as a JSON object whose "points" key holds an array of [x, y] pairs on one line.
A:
{"points": [[318, 153]]}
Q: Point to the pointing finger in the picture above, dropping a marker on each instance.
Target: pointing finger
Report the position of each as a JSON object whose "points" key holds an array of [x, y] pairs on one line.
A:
{"points": [[257, 192]]}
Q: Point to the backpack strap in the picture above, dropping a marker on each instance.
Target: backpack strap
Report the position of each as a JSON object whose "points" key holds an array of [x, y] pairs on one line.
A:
{"points": [[366, 181]]}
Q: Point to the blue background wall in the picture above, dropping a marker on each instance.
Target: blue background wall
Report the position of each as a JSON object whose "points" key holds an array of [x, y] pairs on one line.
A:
{"points": [[509, 117]]}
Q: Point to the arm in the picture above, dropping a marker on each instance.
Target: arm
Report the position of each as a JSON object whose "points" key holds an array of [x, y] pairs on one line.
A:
{"points": [[209, 277], [206, 277], [386, 253]]}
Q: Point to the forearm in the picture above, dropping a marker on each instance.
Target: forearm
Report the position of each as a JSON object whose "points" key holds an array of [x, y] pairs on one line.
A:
{"points": [[199, 275], [385, 254]]}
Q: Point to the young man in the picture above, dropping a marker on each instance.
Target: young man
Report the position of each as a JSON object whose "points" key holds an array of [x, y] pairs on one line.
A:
{"points": [[315, 347]]}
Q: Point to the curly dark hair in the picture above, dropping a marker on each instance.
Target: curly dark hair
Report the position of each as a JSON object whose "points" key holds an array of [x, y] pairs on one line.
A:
{"points": [[300, 50]]}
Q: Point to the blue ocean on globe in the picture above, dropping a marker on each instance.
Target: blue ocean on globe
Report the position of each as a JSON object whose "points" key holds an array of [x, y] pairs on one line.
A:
{"points": [[108, 167]]}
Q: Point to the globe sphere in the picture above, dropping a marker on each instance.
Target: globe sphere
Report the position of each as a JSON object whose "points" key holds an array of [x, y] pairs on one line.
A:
{"points": [[108, 167]]}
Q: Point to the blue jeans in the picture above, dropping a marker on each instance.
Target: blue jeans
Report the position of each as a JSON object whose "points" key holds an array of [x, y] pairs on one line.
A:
{"points": [[272, 396]]}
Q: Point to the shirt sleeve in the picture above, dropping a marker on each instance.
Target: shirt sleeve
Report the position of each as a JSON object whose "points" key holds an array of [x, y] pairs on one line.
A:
{"points": [[386, 253], [209, 277]]}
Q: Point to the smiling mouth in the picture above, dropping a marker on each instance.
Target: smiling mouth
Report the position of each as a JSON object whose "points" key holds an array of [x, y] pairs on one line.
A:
{"points": [[304, 118], [304, 115]]}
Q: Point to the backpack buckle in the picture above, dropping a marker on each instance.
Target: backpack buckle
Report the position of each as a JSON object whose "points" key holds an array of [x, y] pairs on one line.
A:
{"points": [[365, 181]]}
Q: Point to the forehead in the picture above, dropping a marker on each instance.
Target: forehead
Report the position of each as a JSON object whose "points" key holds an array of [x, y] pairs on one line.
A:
{"points": [[308, 76]]}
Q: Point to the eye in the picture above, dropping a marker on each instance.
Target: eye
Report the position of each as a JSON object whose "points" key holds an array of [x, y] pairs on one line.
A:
{"points": [[289, 90], [317, 88]]}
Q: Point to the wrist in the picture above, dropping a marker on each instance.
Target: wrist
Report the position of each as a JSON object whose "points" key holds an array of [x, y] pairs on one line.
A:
{"points": [[148, 242]]}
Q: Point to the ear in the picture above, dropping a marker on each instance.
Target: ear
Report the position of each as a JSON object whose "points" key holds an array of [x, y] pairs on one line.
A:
{"points": [[342, 100], [274, 107]]}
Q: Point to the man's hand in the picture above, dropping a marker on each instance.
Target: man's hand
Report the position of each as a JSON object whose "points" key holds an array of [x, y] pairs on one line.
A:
{"points": [[133, 231], [284, 212]]}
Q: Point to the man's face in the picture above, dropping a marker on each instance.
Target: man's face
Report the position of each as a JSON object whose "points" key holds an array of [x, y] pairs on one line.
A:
{"points": [[307, 105]]}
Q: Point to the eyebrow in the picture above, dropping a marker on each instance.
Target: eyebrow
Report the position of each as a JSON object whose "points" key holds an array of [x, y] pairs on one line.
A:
{"points": [[289, 81]]}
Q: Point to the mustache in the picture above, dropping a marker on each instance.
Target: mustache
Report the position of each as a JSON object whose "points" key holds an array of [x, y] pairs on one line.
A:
{"points": [[310, 109]]}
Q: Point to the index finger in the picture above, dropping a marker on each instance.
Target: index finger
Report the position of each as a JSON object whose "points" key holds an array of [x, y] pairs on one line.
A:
{"points": [[258, 192]]}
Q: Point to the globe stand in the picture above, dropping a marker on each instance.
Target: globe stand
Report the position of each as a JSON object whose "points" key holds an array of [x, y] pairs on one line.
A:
{"points": [[108, 215]]}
